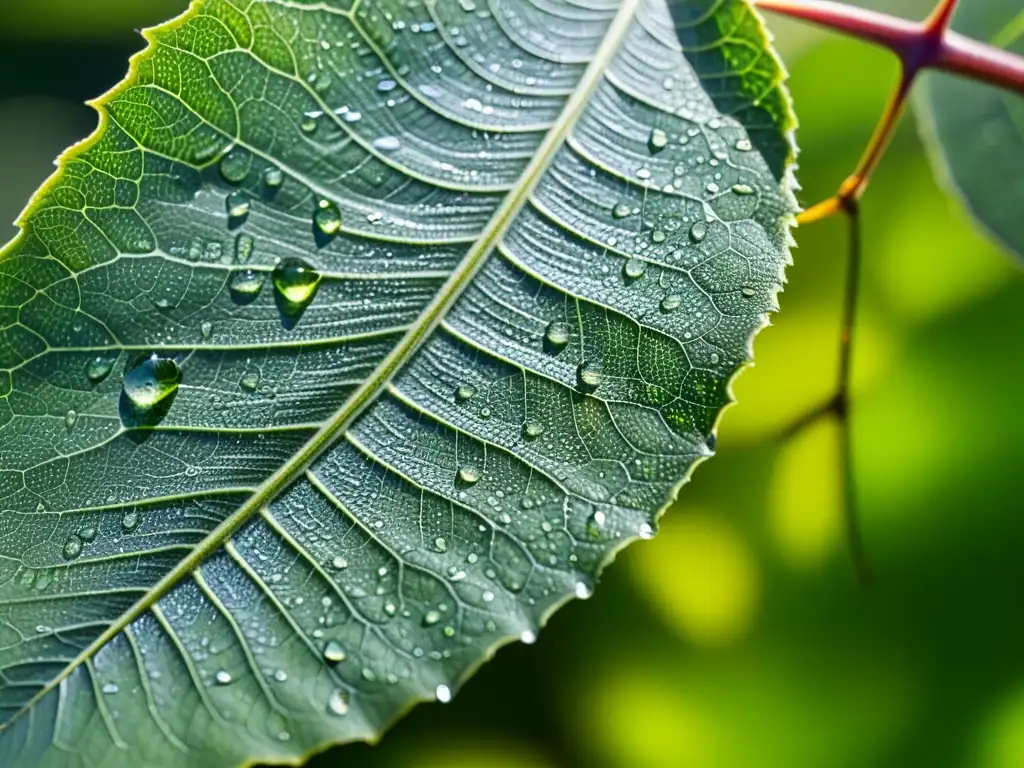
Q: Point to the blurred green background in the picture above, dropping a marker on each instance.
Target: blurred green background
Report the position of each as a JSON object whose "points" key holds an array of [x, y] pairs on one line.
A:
{"points": [[738, 637]]}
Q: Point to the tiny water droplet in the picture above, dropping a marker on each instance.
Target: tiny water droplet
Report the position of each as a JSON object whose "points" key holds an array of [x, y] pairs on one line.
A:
{"points": [[110, 689], [70, 418], [443, 693], [309, 122], [712, 188], [72, 548], [658, 236], [337, 704], [595, 523], [657, 141], [583, 590], [206, 329], [387, 144], [532, 430], [296, 281], [151, 380], [234, 166], [556, 336], [87, 534], [440, 544], [747, 291], [246, 285], [334, 653], [99, 368], [671, 303], [130, 520], [698, 231], [223, 677], [464, 392], [528, 636], [588, 376], [273, 177], [634, 268], [237, 205], [339, 563], [431, 617], [645, 531], [742, 189], [744, 145], [244, 245], [250, 381], [621, 210], [281, 676], [327, 217], [468, 475]]}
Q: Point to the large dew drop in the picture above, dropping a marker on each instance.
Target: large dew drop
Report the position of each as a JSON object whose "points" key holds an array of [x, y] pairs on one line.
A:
{"points": [[556, 336], [151, 380], [337, 704], [296, 282], [246, 285], [588, 376]]}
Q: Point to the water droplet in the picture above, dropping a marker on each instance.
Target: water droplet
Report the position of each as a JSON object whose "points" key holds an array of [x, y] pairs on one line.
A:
{"points": [[87, 534], [151, 380], [387, 143], [468, 475], [223, 677], [334, 653], [237, 205], [714, 358], [488, 596], [645, 531], [99, 368], [431, 617], [273, 177], [712, 188], [110, 689], [596, 523], [588, 376], [744, 145], [327, 218], [634, 268], [464, 392], [528, 636], [583, 590], [244, 245], [246, 285], [72, 547], [532, 430], [622, 210], [296, 281], [441, 544], [671, 303], [337, 704], [130, 520], [747, 291], [250, 381], [556, 336], [386, 86], [443, 693], [698, 231], [281, 676], [309, 122], [70, 418], [234, 166], [742, 189], [339, 563], [657, 141]]}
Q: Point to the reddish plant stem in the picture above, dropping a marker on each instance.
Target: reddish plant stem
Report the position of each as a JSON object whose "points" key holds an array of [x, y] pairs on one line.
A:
{"points": [[919, 45]]}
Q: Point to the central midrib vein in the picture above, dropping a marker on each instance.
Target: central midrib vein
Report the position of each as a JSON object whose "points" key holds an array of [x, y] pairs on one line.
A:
{"points": [[365, 395]]}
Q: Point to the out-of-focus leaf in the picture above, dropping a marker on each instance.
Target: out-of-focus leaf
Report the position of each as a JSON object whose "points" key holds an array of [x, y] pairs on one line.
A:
{"points": [[353, 344], [976, 131]]}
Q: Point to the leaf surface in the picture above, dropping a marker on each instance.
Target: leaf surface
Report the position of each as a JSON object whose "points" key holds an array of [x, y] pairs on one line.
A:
{"points": [[976, 132], [357, 340]]}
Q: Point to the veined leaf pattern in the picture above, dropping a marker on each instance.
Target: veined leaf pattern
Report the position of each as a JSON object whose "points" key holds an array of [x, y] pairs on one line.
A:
{"points": [[358, 339]]}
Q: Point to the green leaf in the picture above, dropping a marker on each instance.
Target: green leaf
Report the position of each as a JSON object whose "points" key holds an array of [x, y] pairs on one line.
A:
{"points": [[975, 132], [355, 342]]}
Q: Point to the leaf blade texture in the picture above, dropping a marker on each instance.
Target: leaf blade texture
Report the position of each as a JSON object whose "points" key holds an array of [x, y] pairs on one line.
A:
{"points": [[355, 342], [974, 131]]}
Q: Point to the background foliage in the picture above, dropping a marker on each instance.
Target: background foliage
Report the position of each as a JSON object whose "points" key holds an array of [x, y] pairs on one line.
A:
{"points": [[737, 636]]}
